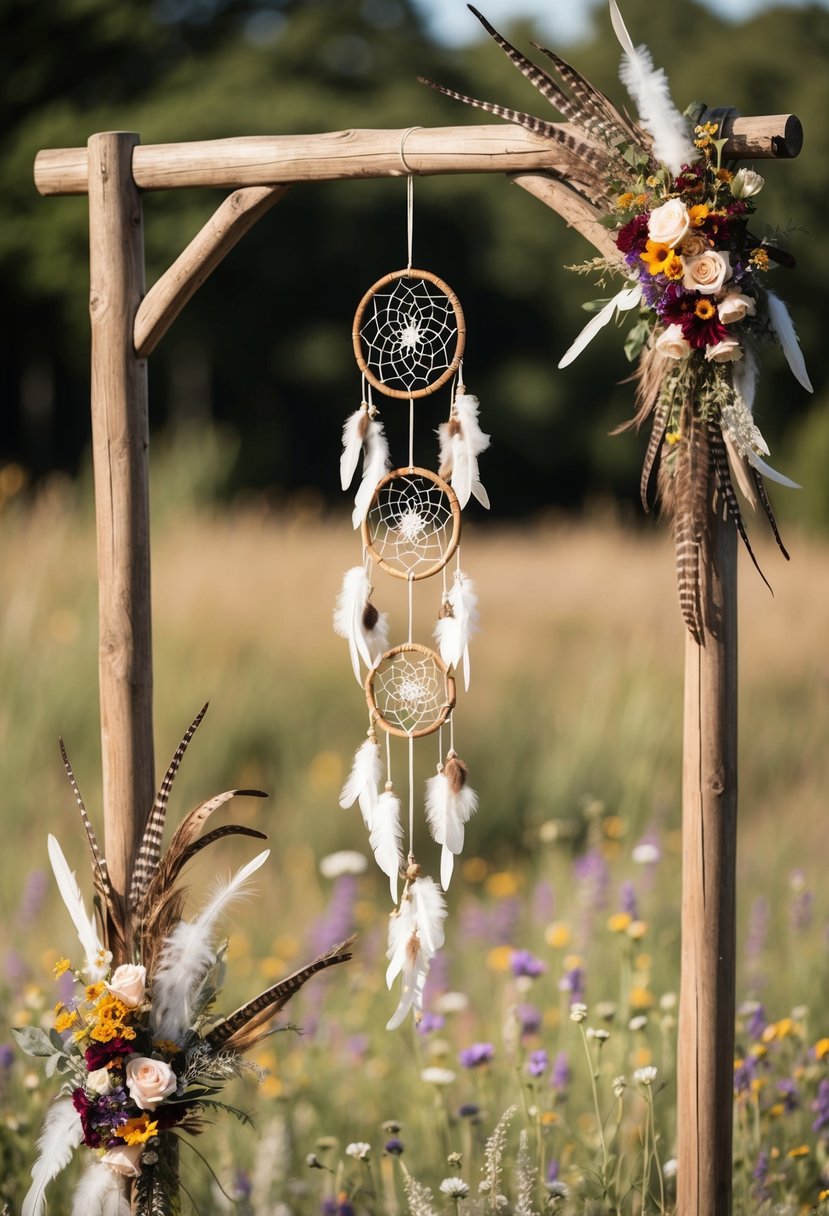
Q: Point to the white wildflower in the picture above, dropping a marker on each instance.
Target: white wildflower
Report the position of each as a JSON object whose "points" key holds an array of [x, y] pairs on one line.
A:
{"points": [[638, 1023], [346, 861], [645, 1076], [359, 1149], [578, 1012], [455, 1188], [438, 1076]]}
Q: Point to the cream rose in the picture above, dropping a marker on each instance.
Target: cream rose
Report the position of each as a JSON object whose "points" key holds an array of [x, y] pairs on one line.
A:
{"points": [[746, 183], [734, 307], [149, 1081], [99, 1081], [726, 351], [707, 272], [672, 344], [125, 1161], [668, 224], [128, 983]]}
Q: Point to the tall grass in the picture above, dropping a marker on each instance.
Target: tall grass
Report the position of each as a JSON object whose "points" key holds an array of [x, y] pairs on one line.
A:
{"points": [[572, 732]]}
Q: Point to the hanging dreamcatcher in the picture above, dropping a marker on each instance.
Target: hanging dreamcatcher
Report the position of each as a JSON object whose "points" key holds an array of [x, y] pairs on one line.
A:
{"points": [[409, 335]]}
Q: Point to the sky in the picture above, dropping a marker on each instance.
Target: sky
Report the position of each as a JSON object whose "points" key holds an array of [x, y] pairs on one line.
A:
{"points": [[560, 21]]}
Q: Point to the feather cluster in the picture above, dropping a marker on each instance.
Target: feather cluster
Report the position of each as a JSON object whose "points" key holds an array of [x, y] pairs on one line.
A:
{"points": [[457, 622], [693, 275], [358, 621], [141, 1054], [415, 936], [363, 434], [461, 443], [450, 804]]}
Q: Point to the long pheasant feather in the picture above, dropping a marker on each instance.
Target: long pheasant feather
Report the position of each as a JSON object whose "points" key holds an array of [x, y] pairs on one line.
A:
{"points": [[692, 495], [766, 505], [660, 423], [149, 853], [725, 488], [228, 1034]]}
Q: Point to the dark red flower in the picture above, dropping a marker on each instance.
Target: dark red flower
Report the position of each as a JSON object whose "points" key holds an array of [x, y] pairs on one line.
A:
{"points": [[98, 1055], [697, 317], [86, 1108], [634, 235]]}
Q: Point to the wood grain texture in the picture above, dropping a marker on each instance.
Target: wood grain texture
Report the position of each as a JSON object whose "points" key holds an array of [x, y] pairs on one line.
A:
{"points": [[705, 1057], [120, 441], [363, 153]]}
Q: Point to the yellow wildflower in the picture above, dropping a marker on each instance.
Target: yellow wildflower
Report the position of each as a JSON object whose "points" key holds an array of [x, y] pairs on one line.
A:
{"points": [[548, 1117], [637, 929], [619, 922], [499, 957], [823, 1195], [614, 827], [724, 175], [759, 259], [557, 935], [625, 201], [777, 1110], [821, 1049], [802, 1150], [66, 1020], [61, 967], [138, 1130], [166, 1046], [698, 214], [659, 258], [704, 309], [672, 437], [475, 869], [93, 991], [640, 998], [641, 200], [502, 885]]}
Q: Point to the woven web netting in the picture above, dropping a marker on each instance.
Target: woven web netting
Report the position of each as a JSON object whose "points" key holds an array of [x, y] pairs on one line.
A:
{"points": [[413, 524], [410, 691], [407, 336]]}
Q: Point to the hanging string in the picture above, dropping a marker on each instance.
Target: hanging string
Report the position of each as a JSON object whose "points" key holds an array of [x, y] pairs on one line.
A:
{"points": [[410, 585], [388, 757], [411, 432], [411, 796], [410, 217]]}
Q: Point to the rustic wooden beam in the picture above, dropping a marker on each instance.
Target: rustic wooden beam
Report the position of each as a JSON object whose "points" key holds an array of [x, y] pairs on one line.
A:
{"points": [[120, 441], [225, 228], [333, 156], [705, 1055]]}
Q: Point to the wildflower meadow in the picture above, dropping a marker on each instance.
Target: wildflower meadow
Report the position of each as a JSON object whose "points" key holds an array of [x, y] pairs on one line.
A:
{"points": [[541, 1077]]}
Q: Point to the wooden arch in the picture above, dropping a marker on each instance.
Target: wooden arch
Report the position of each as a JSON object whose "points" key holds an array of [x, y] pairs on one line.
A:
{"points": [[128, 322]]}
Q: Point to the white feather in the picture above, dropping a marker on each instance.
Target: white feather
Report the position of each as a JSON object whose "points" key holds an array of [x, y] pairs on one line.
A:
{"points": [[100, 1192], [415, 935], [772, 474], [739, 472], [376, 464], [60, 1136], [187, 956], [454, 630], [744, 375], [783, 326], [349, 621], [461, 443], [447, 813], [363, 781], [353, 433], [385, 837], [623, 301], [648, 86], [84, 924]]}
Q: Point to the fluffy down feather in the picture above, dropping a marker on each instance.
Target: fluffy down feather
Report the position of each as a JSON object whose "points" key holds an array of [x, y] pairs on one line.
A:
{"points": [[61, 1135], [386, 836], [364, 780], [376, 464], [415, 936], [357, 620], [354, 433], [461, 443], [450, 804], [457, 623], [100, 1192]]}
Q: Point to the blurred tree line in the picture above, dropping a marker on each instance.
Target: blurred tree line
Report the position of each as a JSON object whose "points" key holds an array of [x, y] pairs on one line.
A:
{"points": [[264, 349]]}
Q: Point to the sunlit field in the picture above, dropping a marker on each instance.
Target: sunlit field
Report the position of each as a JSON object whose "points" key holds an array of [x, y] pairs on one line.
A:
{"points": [[567, 893]]}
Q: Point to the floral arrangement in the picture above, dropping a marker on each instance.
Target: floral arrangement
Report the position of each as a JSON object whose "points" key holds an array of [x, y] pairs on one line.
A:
{"points": [[142, 1055], [696, 273]]}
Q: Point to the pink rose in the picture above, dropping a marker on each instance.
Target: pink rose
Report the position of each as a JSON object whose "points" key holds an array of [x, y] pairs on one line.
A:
{"points": [[149, 1081], [707, 272], [125, 1160], [727, 351], [668, 224], [128, 983], [672, 343], [734, 307]]}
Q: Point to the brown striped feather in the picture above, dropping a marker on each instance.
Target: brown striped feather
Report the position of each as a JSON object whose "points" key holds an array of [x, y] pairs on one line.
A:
{"points": [[595, 111], [236, 1031], [150, 851], [693, 495], [725, 488], [760, 487], [660, 423]]}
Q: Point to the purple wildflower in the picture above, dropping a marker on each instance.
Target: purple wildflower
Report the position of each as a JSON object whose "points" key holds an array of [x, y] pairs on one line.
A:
{"points": [[522, 963], [31, 901], [242, 1184], [627, 899], [538, 1063], [468, 1111], [394, 1146], [757, 1022], [504, 922], [745, 1071], [6, 1056], [529, 1018], [560, 1076], [591, 872], [337, 922], [821, 1107], [573, 982], [552, 1170], [789, 1094], [477, 1055], [430, 1022]]}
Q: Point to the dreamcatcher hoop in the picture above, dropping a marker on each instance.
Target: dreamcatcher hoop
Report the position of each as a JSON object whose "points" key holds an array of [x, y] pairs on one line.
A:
{"points": [[410, 691], [413, 521], [405, 338]]}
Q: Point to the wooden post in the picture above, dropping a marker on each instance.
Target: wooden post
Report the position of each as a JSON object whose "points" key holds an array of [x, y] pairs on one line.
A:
{"points": [[120, 442], [705, 1057]]}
